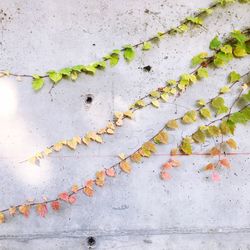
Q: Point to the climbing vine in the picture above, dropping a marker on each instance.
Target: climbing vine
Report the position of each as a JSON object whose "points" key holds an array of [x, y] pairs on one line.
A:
{"points": [[127, 51], [235, 46]]}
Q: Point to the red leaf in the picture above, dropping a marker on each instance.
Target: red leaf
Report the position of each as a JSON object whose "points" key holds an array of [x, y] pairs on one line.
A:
{"points": [[165, 176], [110, 172], [64, 196], [55, 205], [42, 210], [167, 165], [72, 199], [225, 162]]}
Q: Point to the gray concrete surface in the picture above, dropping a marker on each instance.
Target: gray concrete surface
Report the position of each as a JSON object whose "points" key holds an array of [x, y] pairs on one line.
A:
{"points": [[132, 212]]}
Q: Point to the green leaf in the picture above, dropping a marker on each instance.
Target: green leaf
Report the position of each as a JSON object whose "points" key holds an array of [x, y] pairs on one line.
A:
{"points": [[128, 53], [190, 117], [146, 46], [100, 65], [227, 49], [37, 83], [205, 113], [238, 117], [65, 71], [195, 20], [213, 131], [140, 103], [55, 76], [246, 97], [221, 59], [234, 77], [78, 68], [227, 127], [207, 11], [215, 43], [114, 59], [224, 89], [186, 146], [202, 73], [237, 34], [240, 51], [198, 59], [90, 69], [219, 106], [164, 97], [199, 136], [201, 102], [182, 28]]}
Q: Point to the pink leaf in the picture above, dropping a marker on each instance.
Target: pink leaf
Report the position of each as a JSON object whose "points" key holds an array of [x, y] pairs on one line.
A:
{"points": [[64, 196], [215, 176], [72, 199], [165, 176]]}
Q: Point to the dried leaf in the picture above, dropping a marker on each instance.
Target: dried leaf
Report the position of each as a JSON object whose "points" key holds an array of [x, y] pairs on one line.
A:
{"points": [[215, 151], [209, 166], [225, 163], [162, 137], [100, 178], [72, 199], [12, 211], [167, 165], [75, 188], [136, 157]]}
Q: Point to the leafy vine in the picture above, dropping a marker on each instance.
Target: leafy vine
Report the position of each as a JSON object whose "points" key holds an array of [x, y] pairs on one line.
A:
{"points": [[128, 51], [235, 46]]}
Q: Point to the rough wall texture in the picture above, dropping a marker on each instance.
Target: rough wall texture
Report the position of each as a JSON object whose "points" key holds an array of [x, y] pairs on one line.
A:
{"points": [[132, 212]]}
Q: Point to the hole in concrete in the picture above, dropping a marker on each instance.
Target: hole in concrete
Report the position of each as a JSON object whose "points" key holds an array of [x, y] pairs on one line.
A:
{"points": [[89, 99], [91, 241], [147, 68]]}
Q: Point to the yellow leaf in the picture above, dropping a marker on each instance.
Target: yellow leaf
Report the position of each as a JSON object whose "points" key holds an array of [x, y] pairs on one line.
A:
{"points": [[110, 131], [118, 115], [111, 125], [119, 122], [145, 152], [128, 114], [136, 157], [12, 211], [77, 139], [100, 178], [172, 124], [162, 137], [72, 144], [58, 146], [47, 151], [122, 156], [32, 160], [232, 143], [75, 188], [155, 103], [149, 146], [86, 140], [125, 167]]}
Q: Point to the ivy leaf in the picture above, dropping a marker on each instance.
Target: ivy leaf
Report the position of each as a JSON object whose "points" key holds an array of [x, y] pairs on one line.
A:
{"points": [[88, 188], [219, 106], [128, 53], [113, 57], [140, 103], [189, 117], [225, 163], [221, 59], [66, 71], [237, 34], [186, 146], [227, 49], [155, 103], [100, 65], [90, 69], [164, 97], [37, 83], [42, 210], [78, 68], [146, 46], [232, 143], [205, 113], [234, 77], [172, 124], [215, 43], [199, 136], [195, 20], [198, 59], [227, 127], [55, 76], [136, 157], [202, 72], [240, 51], [155, 94], [224, 89], [64, 196], [110, 172], [162, 137], [125, 167]]}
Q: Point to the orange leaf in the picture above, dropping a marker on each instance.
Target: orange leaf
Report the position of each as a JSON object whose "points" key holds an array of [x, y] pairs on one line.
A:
{"points": [[64, 196], [25, 210], [125, 167], [110, 172], [167, 165], [42, 210], [225, 162], [165, 176], [209, 166], [12, 211], [90, 184], [136, 157], [100, 178], [174, 163], [214, 151], [2, 218], [74, 188], [72, 199], [88, 191], [55, 205]]}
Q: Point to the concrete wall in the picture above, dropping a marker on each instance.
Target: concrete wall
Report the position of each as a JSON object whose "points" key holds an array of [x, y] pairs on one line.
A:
{"points": [[132, 212]]}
